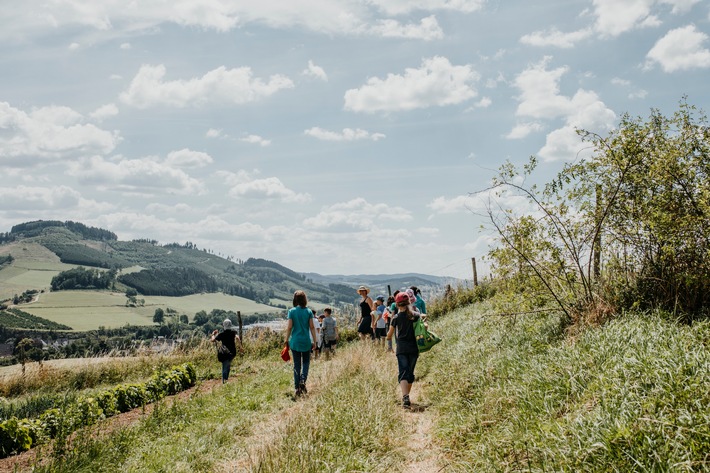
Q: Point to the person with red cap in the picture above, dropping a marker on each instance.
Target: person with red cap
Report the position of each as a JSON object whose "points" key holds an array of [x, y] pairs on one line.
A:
{"points": [[402, 327]]}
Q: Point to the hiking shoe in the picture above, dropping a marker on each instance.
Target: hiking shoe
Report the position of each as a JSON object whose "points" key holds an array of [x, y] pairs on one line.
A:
{"points": [[303, 389], [298, 393], [405, 402]]}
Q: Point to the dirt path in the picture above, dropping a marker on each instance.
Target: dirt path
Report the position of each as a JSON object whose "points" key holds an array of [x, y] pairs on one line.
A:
{"points": [[272, 429], [424, 453], [25, 460]]}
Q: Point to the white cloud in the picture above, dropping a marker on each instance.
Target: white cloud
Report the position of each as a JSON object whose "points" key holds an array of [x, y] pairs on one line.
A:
{"points": [[400, 7], [214, 133], [315, 71], [540, 90], [541, 99], [619, 81], [245, 184], [436, 83], [428, 29], [554, 37], [521, 130], [74, 46], [147, 176], [615, 17], [612, 18], [681, 49], [49, 133], [681, 6], [162, 209], [186, 158], [235, 86], [348, 134], [256, 139], [23, 198], [633, 95], [458, 204], [125, 46], [485, 102], [346, 17], [355, 215], [105, 111]]}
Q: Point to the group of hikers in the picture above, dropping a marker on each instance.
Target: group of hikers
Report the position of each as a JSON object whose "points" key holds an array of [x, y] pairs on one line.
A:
{"points": [[380, 321]]}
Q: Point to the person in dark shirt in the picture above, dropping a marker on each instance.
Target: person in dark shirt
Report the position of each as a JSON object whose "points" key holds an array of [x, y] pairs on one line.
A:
{"points": [[402, 327], [229, 338]]}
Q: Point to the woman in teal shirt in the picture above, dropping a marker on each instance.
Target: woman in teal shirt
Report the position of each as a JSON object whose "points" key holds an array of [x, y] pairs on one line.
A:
{"points": [[300, 324]]}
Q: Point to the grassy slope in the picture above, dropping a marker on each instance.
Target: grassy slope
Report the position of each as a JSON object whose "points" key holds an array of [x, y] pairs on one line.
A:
{"points": [[504, 395], [631, 396]]}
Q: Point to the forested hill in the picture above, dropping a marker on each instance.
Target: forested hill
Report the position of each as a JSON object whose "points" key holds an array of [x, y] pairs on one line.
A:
{"points": [[172, 269]]}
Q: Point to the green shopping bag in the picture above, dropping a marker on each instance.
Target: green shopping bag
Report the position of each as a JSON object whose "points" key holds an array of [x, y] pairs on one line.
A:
{"points": [[425, 338]]}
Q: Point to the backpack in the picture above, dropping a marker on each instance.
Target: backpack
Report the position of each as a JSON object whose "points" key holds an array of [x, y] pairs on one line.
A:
{"points": [[425, 338], [328, 329], [223, 353]]}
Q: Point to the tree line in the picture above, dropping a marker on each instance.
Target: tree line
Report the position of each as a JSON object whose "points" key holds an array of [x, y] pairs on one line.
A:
{"points": [[82, 278]]}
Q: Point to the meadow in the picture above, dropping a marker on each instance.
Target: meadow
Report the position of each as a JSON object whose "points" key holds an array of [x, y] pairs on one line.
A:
{"points": [[89, 310], [499, 394]]}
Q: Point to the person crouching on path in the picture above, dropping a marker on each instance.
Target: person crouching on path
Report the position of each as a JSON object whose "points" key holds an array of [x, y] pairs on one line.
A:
{"points": [[402, 326], [229, 338], [366, 325], [300, 337]]}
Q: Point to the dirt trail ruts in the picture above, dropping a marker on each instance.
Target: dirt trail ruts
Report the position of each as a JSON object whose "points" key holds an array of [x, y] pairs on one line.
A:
{"points": [[25, 460], [423, 452], [266, 432]]}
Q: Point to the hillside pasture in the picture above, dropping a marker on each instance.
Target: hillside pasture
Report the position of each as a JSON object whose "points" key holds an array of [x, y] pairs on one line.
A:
{"points": [[89, 310], [33, 267]]}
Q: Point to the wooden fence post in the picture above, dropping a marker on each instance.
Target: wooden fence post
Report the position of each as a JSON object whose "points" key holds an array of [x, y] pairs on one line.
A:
{"points": [[475, 273]]}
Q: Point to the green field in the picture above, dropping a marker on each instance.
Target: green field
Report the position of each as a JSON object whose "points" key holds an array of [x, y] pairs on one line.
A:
{"points": [[89, 310], [33, 268]]}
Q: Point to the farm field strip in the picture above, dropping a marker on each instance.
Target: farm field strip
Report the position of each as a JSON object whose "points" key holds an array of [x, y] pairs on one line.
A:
{"points": [[89, 310]]}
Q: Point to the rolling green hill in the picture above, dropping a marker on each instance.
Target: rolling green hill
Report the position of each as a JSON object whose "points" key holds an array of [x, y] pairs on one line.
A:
{"points": [[41, 250]]}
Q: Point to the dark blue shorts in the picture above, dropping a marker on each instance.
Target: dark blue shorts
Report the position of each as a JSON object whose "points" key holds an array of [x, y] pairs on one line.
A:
{"points": [[406, 363]]}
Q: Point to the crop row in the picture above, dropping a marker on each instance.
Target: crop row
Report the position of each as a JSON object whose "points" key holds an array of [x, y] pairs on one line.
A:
{"points": [[18, 435]]}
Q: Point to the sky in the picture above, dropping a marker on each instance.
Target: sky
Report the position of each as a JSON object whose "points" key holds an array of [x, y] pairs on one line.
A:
{"points": [[330, 136]]}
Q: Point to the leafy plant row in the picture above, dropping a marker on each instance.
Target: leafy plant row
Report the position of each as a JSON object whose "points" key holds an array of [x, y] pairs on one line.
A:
{"points": [[18, 435], [21, 319]]}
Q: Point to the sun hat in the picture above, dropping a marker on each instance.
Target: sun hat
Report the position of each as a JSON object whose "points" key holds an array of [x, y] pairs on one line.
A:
{"points": [[227, 324], [380, 298], [402, 297], [363, 288]]}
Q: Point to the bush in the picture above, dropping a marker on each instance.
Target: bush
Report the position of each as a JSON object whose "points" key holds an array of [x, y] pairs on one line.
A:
{"points": [[15, 437]]}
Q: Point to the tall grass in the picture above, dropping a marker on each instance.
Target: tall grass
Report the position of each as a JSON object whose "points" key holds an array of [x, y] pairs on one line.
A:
{"points": [[352, 420], [349, 421], [632, 395]]}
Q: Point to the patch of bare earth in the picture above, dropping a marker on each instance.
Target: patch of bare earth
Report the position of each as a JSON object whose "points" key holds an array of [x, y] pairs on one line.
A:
{"points": [[26, 460]]}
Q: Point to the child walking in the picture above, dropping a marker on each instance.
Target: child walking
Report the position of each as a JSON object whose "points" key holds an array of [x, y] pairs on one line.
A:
{"points": [[402, 325]]}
